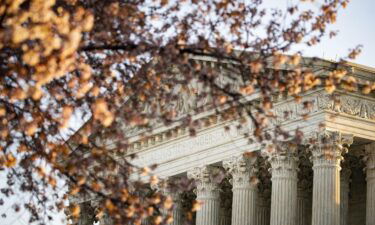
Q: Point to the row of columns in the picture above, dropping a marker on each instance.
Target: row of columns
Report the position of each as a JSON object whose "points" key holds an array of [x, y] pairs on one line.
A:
{"points": [[289, 200]]}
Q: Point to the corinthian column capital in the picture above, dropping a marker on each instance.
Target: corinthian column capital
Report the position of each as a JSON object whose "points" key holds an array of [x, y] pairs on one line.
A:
{"points": [[283, 159], [208, 194], [204, 177], [240, 164], [168, 187], [327, 147], [243, 170]]}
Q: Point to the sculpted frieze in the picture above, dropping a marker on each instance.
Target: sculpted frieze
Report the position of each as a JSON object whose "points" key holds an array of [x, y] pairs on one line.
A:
{"points": [[291, 110], [348, 104]]}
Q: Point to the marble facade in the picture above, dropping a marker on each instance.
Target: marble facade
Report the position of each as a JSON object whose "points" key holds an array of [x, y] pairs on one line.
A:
{"points": [[328, 178]]}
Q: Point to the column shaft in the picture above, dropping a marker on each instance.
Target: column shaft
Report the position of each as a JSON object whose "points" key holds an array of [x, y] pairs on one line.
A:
{"points": [[208, 194], [244, 189], [326, 157], [144, 222], [209, 213], [165, 188], [284, 201], [344, 196], [284, 189], [177, 213], [244, 206], [326, 195]]}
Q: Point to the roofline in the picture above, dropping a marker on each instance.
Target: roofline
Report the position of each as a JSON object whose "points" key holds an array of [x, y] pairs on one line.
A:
{"points": [[343, 62], [360, 66]]}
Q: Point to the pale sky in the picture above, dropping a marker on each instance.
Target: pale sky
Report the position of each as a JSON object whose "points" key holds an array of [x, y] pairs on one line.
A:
{"points": [[356, 25]]}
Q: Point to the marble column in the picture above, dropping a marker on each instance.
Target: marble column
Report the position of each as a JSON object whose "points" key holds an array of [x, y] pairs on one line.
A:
{"points": [[284, 184], [244, 183], [208, 194], [370, 178], [177, 210], [263, 209], [166, 188], [144, 222], [326, 157], [344, 194]]}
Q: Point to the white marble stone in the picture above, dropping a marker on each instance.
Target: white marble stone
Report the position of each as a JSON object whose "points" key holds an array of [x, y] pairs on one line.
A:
{"points": [[284, 186], [244, 181], [177, 213], [175, 153], [177, 210], [208, 194], [344, 195], [326, 157]]}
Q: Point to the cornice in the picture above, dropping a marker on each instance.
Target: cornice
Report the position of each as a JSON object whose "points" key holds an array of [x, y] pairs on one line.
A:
{"points": [[351, 105]]}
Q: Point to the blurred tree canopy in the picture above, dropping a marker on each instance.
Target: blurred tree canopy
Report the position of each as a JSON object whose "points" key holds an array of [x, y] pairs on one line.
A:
{"points": [[118, 62]]}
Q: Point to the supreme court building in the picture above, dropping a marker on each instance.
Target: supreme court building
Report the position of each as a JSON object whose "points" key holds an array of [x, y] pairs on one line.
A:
{"points": [[304, 184]]}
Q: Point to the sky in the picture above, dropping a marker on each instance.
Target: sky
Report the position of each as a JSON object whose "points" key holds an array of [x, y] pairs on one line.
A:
{"points": [[356, 25]]}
